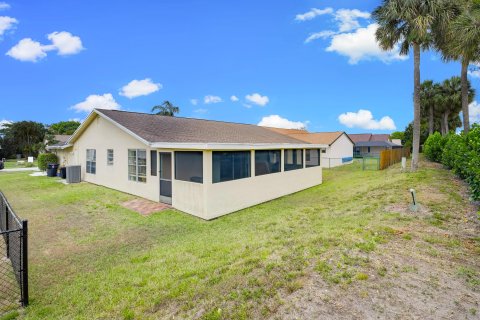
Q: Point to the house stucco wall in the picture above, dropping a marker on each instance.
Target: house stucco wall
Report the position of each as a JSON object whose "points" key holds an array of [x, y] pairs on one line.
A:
{"points": [[341, 148], [102, 135]]}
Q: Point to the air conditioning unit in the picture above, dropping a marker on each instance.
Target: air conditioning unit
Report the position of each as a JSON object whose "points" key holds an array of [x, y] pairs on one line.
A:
{"points": [[74, 174]]}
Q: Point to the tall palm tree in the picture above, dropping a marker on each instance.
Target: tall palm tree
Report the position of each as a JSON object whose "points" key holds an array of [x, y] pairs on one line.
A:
{"points": [[462, 42], [428, 91], [410, 23], [166, 109]]}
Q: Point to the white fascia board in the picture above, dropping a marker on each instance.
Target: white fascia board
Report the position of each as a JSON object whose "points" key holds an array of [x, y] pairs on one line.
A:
{"points": [[59, 147], [233, 146]]}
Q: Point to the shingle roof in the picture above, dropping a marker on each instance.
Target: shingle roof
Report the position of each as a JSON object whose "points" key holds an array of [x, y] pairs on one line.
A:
{"points": [[357, 137], [376, 144], [310, 137], [156, 128], [61, 140], [380, 137]]}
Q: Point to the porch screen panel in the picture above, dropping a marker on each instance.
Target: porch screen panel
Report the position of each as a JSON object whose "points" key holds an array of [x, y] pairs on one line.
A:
{"points": [[189, 166], [293, 159], [230, 165], [312, 158], [267, 161]]}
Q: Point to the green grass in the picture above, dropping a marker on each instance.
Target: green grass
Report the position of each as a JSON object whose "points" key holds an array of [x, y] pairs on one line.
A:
{"points": [[91, 258], [11, 164]]}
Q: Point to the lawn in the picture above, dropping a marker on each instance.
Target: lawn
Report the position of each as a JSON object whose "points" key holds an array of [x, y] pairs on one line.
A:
{"points": [[349, 248], [11, 164]]}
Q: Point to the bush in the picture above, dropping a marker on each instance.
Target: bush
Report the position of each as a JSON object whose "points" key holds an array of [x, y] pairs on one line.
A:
{"points": [[44, 159], [433, 147], [462, 154]]}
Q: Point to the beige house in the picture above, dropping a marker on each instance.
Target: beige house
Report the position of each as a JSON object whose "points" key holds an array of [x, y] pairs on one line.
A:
{"points": [[205, 168], [339, 146]]}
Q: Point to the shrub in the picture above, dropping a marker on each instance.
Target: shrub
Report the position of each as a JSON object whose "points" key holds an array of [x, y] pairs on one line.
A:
{"points": [[45, 158], [433, 147]]}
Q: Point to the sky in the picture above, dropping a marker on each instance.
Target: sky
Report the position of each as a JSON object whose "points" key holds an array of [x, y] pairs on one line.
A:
{"points": [[290, 63]]}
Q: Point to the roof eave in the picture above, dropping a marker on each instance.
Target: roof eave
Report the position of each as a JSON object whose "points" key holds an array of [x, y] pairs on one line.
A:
{"points": [[234, 146]]}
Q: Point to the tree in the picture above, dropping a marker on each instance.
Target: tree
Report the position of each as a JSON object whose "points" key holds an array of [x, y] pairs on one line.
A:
{"points": [[64, 127], [461, 42], [27, 136], [166, 109], [398, 135], [409, 23], [428, 92]]}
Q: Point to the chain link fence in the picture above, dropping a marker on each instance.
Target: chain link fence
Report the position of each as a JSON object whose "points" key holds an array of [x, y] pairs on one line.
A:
{"points": [[13, 259]]}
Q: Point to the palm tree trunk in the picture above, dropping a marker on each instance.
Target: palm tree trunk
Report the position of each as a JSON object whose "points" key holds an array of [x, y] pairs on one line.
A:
{"points": [[430, 121], [466, 120], [445, 122], [416, 106]]}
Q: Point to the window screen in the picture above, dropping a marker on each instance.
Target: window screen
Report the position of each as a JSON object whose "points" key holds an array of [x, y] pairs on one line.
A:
{"points": [[312, 157], [293, 159], [109, 157], [230, 165], [91, 161], [153, 162], [137, 165], [189, 166], [267, 161]]}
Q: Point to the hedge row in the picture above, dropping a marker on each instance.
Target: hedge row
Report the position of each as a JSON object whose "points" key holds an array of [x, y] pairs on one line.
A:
{"points": [[44, 159], [459, 152]]}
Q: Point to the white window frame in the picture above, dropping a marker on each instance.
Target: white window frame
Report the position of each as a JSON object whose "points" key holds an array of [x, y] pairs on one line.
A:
{"points": [[91, 161], [133, 162]]}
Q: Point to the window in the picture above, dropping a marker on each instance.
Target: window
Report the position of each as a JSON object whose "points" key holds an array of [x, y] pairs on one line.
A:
{"points": [[91, 161], [189, 166], [137, 165], [267, 161], [293, 159], [312, 158], [230, 165], [109, 157], [153, 163]]}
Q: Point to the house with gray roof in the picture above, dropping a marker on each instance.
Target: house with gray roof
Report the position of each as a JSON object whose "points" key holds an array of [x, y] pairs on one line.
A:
{"points": [[370, 145], [202, 167]]}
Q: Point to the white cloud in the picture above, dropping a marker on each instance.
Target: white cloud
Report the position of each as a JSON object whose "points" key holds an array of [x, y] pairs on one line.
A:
{"points": [[27, 50], [212, 99], [234, 98], [314, 12], [474, 112], [65, 43], [105, 101], [276, 121], [194, 101], [4, 122], [257, 99], [200, 110], [363, 119], [348, 19], [76, 120], [320, 35], [474, 72], [362, 45], [7, 23], [137, 88], [248, 106], [4, 6]]}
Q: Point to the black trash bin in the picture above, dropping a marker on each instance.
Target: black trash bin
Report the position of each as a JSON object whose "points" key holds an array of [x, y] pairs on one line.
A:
{"points": [[52, 169], [63, 172], [1, 165]]}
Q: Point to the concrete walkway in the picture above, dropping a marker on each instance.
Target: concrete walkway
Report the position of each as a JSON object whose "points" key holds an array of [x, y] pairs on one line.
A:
{"points": [[20, 169]]}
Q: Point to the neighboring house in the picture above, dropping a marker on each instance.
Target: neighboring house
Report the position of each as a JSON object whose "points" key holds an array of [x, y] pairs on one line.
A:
{"points": [[370, 145], [339, 148], [205, 168], [61, 141]]}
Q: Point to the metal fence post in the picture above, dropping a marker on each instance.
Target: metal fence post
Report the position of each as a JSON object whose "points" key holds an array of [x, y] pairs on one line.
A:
{"points": [[7, 236], [25, 263]]}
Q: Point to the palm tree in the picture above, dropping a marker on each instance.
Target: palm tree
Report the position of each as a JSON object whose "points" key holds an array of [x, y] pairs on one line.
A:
{"points": [[428, 91], [166, 109], [410, 23], [461, 42]]}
